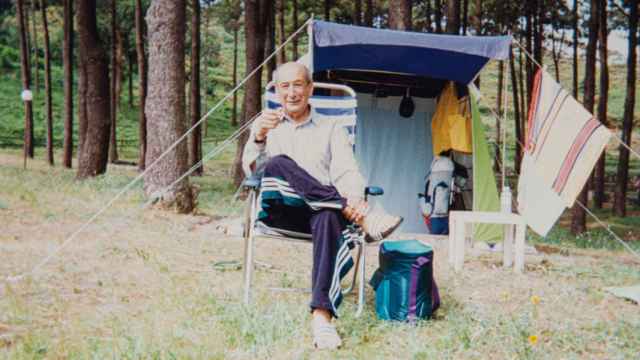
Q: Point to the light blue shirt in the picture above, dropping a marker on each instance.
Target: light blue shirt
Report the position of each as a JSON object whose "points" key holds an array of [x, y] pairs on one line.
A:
{"points": [[317, 144]]}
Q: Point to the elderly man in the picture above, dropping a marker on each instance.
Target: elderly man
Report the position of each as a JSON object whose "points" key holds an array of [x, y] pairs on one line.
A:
{"points": [[311, 184]]}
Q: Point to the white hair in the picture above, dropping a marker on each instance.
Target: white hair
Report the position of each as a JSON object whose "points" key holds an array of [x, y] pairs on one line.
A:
{"points": [[307, 72]]}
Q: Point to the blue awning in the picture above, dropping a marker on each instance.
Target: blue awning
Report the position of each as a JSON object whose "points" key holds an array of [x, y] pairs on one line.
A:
{"points": [[448, 57]]}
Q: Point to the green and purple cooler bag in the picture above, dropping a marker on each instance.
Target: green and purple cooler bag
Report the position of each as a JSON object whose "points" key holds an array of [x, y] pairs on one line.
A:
{"points": [[404, 283]]}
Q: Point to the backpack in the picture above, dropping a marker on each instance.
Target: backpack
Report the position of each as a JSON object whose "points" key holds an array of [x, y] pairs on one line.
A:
{"points": [[434, 203], [404, 283]]}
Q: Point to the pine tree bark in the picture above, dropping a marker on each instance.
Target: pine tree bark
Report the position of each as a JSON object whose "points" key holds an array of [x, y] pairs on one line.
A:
{"points": [[622, 175], [465, 16], [195, 151], [93, 92], [437, 11], [578, 220], [47, 82], [254, 32], [499, 108], [270, 39], [357, 12], [538, 33], [67, 60], [234, 114], [295, 26], [26, 80], [575, 47], [368, 13], [115, 74], [282, 33], [165, 106], [36, 48], [453, 17], [603, 33], [327, 10], [400, 14], [516, 111], [142, 84], [428, 12]]}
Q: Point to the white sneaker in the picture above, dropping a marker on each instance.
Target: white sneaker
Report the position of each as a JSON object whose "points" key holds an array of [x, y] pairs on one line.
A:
{"points": [[378, 225], [325, 336]]}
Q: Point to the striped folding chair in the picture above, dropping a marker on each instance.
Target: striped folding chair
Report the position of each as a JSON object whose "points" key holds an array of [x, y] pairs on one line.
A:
{"points": [[342, 109]]}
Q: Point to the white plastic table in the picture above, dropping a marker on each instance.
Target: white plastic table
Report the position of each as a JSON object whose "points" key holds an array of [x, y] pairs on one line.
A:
{"points": [[458, 221]]}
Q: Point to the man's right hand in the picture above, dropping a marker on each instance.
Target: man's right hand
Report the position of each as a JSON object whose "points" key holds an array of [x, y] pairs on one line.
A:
{"points": [[268, 120]]}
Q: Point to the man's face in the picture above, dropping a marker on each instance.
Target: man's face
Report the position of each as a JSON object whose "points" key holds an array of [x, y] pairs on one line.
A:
{"points": [[293, 90]]}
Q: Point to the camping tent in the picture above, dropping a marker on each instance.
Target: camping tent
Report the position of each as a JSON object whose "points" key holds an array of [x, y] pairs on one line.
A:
{"points": [[382, 66]]}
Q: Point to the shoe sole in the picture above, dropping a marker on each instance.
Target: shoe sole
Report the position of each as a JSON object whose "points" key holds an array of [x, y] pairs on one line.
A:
{"points": [[385, 234]]}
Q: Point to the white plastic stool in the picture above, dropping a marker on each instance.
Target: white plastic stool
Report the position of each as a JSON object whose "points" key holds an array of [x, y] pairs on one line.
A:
{"points": [[458, 221]]}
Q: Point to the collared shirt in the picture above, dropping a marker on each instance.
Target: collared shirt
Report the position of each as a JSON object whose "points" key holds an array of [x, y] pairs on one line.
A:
{"points": [[317, 144]]}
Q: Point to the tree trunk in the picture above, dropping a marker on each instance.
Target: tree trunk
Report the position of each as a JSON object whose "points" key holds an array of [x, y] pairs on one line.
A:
{"points": [[270, 39], [357, 12], [93, 112], [428, 25], [282, 33], [598, 194], [36, 48], [529, 6], [477, 20], [521, 77], [499, 108], [47, 82], [142, 84], [67, 60], [254, 32], [113, 144], [575, 48], [516, 111], [437, 11], [327, 10], [234, 114], [538, 36], [400, 14], [465, 16], [165, 106], [195, 151], [26, 80], [578, 221], [130, 76], [453, 17], [622, 176], [295, 26], [368, 13], [556, 52]]}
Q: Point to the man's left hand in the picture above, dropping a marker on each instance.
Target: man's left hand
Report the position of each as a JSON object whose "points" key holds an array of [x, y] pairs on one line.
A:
{"points": [[356, 210]]}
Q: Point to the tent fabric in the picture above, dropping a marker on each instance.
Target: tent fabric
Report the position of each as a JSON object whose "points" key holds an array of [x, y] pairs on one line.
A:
{"points": [[449, 57], [395, 153], [563, 144], [450, 128], [485, 190]]}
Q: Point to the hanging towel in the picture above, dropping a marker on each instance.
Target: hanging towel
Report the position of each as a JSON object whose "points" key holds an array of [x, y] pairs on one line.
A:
{"points": [[563, 143]]}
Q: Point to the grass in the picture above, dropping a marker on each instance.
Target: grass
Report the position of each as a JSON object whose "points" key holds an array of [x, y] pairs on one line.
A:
{"points": [[145, 284]]}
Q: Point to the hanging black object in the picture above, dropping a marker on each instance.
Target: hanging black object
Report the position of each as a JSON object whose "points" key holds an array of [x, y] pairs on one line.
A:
{"points": [[407, 105]]}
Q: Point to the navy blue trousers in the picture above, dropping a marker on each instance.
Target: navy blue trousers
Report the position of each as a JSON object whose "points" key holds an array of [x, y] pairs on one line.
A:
{"points": [[294, 200]]}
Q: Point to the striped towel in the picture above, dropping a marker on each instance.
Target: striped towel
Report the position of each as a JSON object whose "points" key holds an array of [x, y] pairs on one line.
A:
{"points": [[563, 143]]}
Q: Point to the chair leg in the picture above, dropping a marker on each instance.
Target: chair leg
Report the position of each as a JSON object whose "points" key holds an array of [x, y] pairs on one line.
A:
{"points": [[362, 280], [355, 270], [248, 250]]}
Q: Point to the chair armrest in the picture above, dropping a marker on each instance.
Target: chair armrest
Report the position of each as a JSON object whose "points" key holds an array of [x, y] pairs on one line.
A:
{"points": [[252, 182], [373, 191]]}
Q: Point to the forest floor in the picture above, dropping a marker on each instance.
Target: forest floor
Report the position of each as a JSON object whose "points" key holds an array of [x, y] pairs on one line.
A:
{"points": [[151, 284]]}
